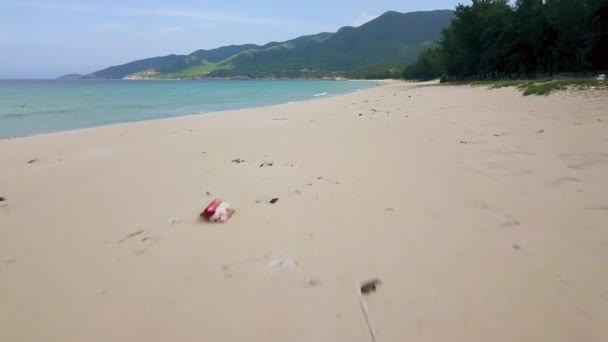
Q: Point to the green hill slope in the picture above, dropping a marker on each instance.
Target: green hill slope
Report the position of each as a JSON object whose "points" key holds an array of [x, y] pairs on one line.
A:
{"points": [[395, 38]]}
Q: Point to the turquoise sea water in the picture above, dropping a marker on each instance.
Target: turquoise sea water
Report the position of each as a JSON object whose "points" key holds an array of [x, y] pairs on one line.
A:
{"points": [[34, 107]]}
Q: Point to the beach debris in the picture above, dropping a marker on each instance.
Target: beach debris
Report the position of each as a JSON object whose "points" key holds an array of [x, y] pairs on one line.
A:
{"points": [[511, 222], [360, 114], [274, 200], [370, 286], [139, 232], [2, 199], [175, 220], [601, 78], [464, 142], [217, 211], [517, 247], [367, 288], [208, 193], [298, 192], [599, 120], [269, 164], [541, 131], [282, 263], [32, 161], [280, 119], [238, 160], [313, 283]]}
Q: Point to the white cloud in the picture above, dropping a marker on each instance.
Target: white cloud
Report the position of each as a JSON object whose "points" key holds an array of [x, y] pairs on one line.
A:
{"points": [[363, 18], [159, 12]]}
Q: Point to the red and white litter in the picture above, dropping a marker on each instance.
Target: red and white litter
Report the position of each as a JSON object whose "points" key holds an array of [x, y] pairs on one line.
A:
{"points": [[217, 211]]}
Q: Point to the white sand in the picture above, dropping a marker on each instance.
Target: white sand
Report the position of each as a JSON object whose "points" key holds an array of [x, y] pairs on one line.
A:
{"points": [[501, 238]]}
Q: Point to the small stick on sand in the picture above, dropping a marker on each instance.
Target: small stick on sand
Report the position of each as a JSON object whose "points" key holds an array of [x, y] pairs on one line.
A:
{"points": [[372, 334], [131, 235]]}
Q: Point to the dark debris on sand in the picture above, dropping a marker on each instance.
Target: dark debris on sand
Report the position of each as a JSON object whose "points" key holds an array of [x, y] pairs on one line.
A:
{"points": [[370, 286]]}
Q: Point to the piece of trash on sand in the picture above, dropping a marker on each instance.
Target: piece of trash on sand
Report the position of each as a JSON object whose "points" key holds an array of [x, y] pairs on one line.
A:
{"points": [[274, 200], [282, 263], [217, 211], [370, 286], [269, 164], [238, 160], [2, 199], [139, 232], [541, 131], [208, 193], [313, 283], [174, 220], [32, 161]]}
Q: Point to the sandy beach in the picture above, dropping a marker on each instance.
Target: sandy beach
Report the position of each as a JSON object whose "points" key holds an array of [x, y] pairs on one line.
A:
{"points": [[484, 214]]}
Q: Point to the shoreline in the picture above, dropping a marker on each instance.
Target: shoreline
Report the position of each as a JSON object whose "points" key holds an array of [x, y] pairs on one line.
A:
{"points": [[313, 98], [469, 204]]}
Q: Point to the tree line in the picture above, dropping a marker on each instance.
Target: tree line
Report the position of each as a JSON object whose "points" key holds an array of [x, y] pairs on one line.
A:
{"points": [[492, 39]]}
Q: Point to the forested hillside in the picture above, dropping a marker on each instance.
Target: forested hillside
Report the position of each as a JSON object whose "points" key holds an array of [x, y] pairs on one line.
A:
{"points": [[492, 39]]}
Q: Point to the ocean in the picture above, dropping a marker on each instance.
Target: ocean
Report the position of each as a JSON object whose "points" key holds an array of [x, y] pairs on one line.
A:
{"points": [[43, 106]]}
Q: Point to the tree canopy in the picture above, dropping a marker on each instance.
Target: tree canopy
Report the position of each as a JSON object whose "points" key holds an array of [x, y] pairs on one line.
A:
{"points": [[493, 39]]}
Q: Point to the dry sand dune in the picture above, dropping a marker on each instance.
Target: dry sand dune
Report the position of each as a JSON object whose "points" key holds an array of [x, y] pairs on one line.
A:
{"points": [[484, 214]]}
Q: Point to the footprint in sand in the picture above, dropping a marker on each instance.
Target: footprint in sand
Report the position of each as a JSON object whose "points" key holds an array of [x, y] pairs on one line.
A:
{"points": [[510, 222]]}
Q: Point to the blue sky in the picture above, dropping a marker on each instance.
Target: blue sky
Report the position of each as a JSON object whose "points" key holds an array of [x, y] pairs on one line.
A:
{"points": [[48, 38]]}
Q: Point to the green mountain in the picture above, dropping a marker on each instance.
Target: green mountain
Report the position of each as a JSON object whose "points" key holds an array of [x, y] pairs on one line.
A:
{"points": [[393, 38]]}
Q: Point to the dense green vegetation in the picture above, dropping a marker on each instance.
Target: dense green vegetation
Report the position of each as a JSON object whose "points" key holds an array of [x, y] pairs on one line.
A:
{"points": [[392, 39], [120, 71], [492, 39], [431, 64], [379, 71]]}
